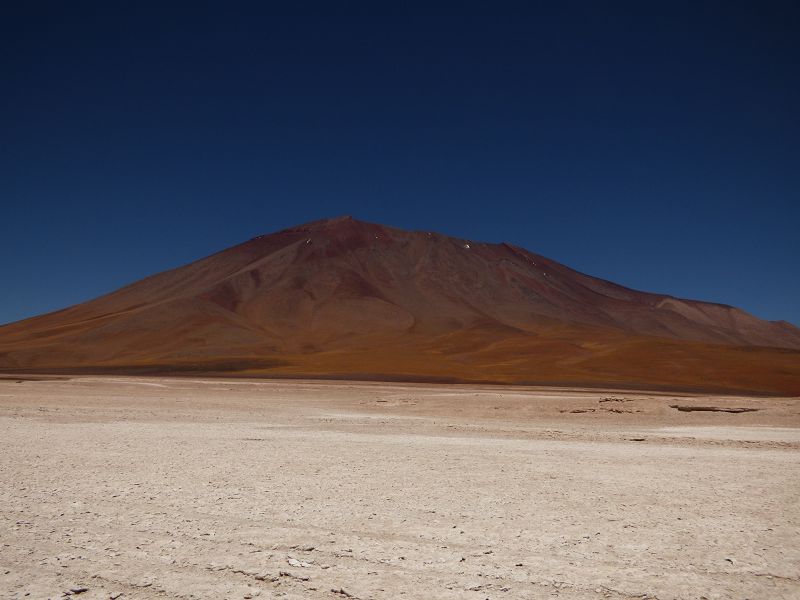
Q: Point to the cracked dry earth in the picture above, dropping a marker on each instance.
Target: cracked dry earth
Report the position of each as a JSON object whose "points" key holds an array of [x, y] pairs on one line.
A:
{"points": [[125, 487]]}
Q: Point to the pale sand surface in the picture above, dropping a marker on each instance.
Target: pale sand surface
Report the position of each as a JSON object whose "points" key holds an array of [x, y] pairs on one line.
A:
{"points": [[203, 488]]}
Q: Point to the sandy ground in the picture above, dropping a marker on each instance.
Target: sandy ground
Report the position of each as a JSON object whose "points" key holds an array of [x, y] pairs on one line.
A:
{"points": [[181, 488]]}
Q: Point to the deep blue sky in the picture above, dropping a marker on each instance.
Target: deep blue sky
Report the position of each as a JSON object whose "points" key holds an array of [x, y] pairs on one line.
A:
{"points": [[653, 144]]}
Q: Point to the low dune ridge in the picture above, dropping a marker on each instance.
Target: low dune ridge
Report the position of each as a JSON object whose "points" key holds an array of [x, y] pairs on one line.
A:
{"points": [[342, 298]]}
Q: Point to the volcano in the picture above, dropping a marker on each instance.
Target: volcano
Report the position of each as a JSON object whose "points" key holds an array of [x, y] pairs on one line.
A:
{"points": [[342, 298]]}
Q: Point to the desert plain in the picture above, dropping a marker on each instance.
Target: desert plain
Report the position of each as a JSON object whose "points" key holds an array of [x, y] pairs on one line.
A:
{"points": [[195, 488]]}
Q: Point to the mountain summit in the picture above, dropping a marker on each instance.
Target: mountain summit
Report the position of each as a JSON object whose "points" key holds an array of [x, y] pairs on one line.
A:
{"points": [[345, 298]]}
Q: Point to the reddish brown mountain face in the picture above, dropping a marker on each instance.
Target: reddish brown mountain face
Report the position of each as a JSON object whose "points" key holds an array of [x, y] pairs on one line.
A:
{"points": [[345, 298]]}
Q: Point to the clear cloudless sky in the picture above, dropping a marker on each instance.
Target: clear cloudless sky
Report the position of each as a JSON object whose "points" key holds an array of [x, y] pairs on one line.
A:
{"points": [[655, 144]]}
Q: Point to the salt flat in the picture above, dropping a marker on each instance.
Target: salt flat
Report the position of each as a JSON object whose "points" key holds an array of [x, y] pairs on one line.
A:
{"points": [[215, 488]]}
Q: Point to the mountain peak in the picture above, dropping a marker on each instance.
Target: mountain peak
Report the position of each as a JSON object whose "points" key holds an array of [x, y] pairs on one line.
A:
{"points": [[331, 223], [334, 221]]}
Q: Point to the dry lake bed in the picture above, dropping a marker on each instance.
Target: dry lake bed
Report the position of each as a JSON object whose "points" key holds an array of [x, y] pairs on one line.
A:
{"points": [[132, 487]]}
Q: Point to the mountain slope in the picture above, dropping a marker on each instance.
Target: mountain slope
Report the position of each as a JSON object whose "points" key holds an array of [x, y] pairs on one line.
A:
{"points": [[341, 297]]}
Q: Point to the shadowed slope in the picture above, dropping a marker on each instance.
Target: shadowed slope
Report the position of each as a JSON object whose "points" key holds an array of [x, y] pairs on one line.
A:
{"points": [[342, 297]]}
